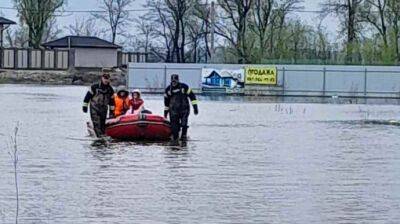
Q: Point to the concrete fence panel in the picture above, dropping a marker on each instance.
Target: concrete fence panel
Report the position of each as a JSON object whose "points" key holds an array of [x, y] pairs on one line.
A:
{"points": [[8, 61], [125, 59], [22, 61], [30, 58], [36, 59], [300, 80], [62, 59], [341, 81], [188, 75], [48, 59], [383, 80], [147, 78]]}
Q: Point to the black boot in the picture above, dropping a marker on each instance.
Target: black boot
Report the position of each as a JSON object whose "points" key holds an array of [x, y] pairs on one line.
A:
{"points": [[184, 133], [173, 142]]}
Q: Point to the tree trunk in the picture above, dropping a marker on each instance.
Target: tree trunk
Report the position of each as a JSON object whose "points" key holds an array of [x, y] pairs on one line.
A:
{"points": [[195, 52], [183, 40], [176, 42], [271, 42], [114, 34], [383, 24], [350, 33], [396, 40]]}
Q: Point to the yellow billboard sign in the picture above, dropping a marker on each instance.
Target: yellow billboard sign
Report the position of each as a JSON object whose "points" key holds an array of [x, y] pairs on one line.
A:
{"points": [[261, 75]]}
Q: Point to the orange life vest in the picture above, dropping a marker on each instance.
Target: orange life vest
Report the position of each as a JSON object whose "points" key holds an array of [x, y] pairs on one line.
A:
{"points": [[121, 105]]}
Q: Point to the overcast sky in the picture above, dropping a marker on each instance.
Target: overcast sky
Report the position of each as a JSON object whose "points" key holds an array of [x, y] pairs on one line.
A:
{"points": [[309, 18]]}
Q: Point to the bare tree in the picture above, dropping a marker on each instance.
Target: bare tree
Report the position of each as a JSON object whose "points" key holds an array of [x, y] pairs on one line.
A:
{"points": [[36, 14], [196, 29], [116, 15], [261, 21], [349, 12], [16, 37], [146, 31], [322, 45], [394, 20], [298, 37], [84, 27], [164, 35], [52, 30], [171, 16], [178, 10], [237, 14], [373, 13], [202, 12], [13, 147], [268, 19]]}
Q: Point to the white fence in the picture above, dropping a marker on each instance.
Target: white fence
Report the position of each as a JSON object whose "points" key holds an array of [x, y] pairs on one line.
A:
{"points": [[24, 58], [292, 80]]}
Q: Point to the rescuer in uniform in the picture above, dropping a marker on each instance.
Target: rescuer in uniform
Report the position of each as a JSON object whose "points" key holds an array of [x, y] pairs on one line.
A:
{"points": [[177, 106], [100, 99]]}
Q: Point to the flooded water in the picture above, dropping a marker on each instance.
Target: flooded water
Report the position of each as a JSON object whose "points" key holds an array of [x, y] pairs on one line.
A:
{"points": [[248, 161]]}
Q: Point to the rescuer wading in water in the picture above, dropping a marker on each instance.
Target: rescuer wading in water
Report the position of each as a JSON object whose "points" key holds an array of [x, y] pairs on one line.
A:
{"points": [[100, 99], [177, 106]]}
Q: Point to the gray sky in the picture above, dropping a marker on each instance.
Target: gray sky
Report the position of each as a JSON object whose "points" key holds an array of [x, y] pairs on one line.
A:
{"points": [[330, 23]]}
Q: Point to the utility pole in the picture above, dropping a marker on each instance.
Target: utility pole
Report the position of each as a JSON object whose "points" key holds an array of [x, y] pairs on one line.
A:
{"points": [[212, 14]]}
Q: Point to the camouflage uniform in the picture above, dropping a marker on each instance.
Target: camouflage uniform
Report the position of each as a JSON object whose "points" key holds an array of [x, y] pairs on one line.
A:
{"points": [[100, 98]]}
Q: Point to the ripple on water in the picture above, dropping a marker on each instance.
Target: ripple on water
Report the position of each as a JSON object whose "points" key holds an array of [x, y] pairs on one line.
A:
{"points": [[246, 162]]}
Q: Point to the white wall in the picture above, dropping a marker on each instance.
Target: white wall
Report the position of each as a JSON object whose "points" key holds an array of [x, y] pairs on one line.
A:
{"points": [[95, 57], [318, 80]]}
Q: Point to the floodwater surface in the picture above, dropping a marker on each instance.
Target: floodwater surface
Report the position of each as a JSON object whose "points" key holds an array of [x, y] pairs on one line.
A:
{"points": [[247, 161]]}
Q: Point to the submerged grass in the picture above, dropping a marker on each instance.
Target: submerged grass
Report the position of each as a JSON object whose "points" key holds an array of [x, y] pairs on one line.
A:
{"points": [[13, 151]]}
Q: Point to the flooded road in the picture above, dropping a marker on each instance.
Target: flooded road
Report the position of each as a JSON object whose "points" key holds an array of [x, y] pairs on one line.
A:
{"points": [[248, 161]]}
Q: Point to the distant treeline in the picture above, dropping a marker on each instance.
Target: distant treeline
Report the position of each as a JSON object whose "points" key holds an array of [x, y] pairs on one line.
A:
{"points": [[245, 31]]}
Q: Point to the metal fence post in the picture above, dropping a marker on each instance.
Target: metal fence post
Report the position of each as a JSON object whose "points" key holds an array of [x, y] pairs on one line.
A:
{"points": [[283, 80], [71, 58], [1, 57], [29, 58], [15, 58], [365, 81], [55, 58], [42, 58], [119, 58], [324, 81]]}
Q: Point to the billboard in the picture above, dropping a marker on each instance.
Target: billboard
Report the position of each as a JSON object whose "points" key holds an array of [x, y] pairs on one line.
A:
{"points": [[261, 75]]}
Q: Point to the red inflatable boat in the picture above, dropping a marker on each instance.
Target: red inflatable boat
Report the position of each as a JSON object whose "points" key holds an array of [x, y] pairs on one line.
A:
{"points": [[139, 126]]}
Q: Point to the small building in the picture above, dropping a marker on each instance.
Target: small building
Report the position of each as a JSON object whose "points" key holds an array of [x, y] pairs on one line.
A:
{"points": [[87, 51], [225, 79], [214, 79], [4, 23]]}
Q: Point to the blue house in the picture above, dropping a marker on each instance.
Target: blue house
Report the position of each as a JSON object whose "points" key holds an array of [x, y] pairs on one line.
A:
{"points": [[216, 80]]}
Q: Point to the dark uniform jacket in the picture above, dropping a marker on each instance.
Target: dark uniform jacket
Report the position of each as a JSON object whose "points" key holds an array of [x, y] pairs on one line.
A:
{"points": [[176, 98], [99, 96]]}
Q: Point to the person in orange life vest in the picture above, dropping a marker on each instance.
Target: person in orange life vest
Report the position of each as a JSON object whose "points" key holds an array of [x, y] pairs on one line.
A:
{"points": [[136, 102], [121, 101]]}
